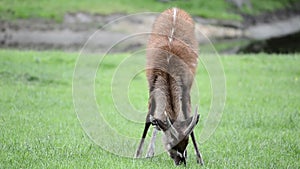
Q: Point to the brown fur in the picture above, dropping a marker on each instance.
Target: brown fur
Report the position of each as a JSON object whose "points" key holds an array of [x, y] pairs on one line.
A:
{"points": [[171, 65], [175, 77]]}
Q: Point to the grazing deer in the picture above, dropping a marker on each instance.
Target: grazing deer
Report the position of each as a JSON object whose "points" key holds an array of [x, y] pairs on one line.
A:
{"points": [[171, 65]]}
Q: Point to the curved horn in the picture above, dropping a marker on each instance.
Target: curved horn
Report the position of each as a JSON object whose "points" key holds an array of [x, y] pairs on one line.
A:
{"points": [[193, 123], [172, 128]]}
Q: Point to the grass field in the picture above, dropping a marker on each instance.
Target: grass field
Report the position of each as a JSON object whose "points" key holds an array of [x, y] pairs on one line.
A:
{"points": [[220, 9], [39, 129]]}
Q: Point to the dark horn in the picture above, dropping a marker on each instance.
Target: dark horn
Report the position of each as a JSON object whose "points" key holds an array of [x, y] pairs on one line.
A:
{"points": [[172, 128], [193, 123]]}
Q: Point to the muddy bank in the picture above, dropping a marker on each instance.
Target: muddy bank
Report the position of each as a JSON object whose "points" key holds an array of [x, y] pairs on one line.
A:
{"points": [[126, 33], [103, 32], [285, 44], [273, 32]]}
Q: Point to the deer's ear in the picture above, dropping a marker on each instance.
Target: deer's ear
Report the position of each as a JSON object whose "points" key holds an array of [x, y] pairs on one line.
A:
{"points": [[158, 123], [162, 125]]}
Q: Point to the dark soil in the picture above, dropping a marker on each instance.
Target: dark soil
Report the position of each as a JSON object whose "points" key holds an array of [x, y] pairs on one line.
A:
{"points": [[286, 44]]}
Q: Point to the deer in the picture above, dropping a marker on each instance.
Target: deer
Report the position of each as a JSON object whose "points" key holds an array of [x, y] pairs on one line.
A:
{"points": [[171, 63]]}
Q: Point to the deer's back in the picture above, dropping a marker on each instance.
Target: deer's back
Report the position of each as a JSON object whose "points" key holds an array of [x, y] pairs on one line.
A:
{"points": [[172, 55], [172, 46]]}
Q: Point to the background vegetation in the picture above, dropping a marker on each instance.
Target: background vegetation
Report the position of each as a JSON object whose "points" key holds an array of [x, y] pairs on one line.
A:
{"points": [[55, 9]]}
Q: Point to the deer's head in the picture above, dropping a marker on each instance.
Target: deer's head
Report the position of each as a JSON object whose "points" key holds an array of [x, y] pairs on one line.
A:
{"points": [[176, 134]]}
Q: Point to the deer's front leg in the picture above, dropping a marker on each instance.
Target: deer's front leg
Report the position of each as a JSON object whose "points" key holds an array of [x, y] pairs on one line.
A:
{"points": [[151, 147], [198, 154], [140, 148]]}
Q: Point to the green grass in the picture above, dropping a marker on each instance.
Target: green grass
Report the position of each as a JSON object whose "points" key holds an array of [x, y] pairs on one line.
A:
{"points": [[39, 128], [55, 10]]}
